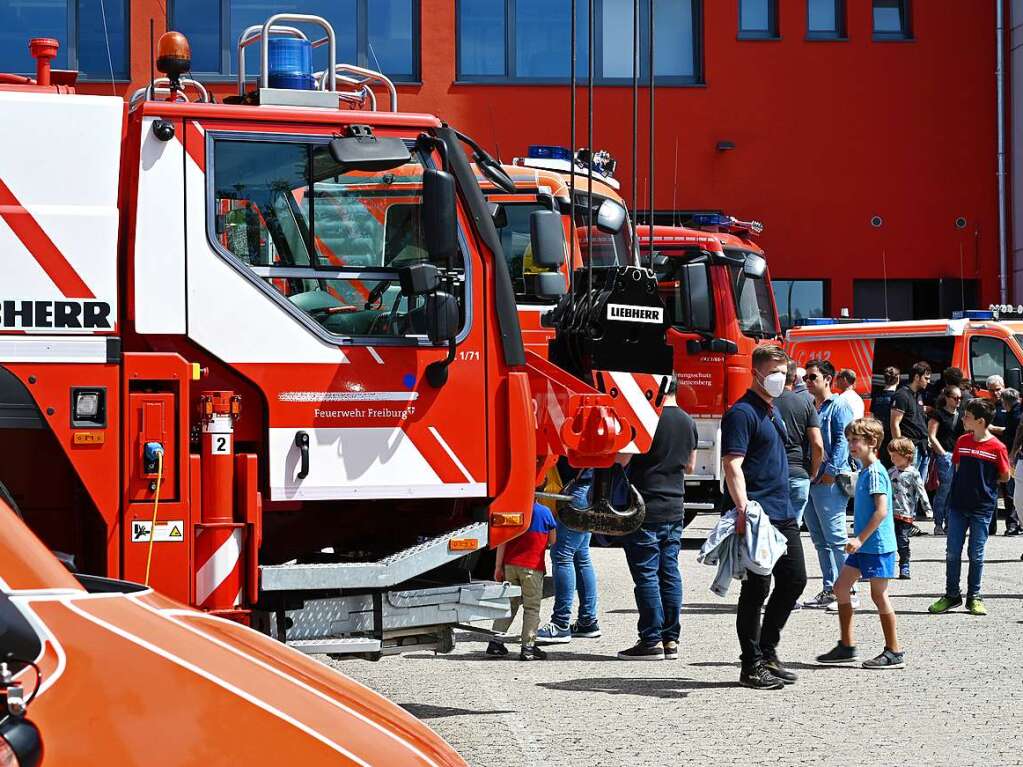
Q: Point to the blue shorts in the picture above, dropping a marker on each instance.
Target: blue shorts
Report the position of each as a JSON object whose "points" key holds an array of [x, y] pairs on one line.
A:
{"points": [[873, 565]]}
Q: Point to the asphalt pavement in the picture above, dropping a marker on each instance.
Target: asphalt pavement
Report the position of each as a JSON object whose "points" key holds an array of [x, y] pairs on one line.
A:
{"points": [[957, 702]]}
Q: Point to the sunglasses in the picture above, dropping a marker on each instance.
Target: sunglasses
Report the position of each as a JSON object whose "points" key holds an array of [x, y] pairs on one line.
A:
{"points": [[812, 377]]}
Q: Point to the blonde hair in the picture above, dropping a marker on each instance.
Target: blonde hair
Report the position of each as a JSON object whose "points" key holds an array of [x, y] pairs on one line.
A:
{"points": [[903, 447], [869, 429]]}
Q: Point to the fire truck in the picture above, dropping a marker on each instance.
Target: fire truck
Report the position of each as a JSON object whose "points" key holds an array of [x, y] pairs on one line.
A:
{"points": [[714, 281], [265, 356]]}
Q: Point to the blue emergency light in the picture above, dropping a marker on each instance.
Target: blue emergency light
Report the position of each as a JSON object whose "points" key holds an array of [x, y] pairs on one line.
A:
{"points": [[973, 314], [548, 152], [710, 219], [291, 64]]}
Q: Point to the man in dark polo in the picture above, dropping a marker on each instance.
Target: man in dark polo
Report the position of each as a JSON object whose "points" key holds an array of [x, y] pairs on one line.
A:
{"points": [[756, 468]]}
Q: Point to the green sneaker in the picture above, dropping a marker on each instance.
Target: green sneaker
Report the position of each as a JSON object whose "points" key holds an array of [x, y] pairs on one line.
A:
{"points": [[944, 604], [975, 606]]}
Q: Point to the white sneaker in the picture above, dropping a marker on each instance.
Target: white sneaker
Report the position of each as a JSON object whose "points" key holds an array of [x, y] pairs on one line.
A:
{"points": [[833, 607]]}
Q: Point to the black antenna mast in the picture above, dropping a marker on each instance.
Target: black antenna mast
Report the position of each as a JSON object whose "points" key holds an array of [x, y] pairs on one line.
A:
{"points": [[651, 74], [571, 177], [152, 59], [635, 120], [589, 150]]}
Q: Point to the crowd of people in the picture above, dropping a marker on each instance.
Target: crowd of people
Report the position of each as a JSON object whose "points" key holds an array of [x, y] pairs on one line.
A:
{"points": [[797, 449]]}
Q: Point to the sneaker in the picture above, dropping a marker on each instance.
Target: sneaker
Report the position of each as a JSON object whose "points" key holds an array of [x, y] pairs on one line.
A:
{"points": [[944, 604], [822, 600], [839, 654], [496, 649], [904, 573], [915, 531], [939, 531], [887, 659], [532, 652], [584, 630], [640, 651], [775, 667], [1014, 531], [759, 677], [797, 606], [833, 607], [975, 606], [552, 633], [670, 650]]}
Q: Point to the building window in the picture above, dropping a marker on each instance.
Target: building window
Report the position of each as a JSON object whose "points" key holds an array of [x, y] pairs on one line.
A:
{"points": [[91, 41], [378, 34], [530, 40], [825, 19], [799, 299], [891, 20], [758, 19]]}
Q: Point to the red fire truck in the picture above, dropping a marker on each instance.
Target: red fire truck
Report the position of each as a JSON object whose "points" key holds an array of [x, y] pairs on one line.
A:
{"points": [[265, 354], [717, 292]]}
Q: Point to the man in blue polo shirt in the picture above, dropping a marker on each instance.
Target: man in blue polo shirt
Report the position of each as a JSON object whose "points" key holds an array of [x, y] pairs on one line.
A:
{"points": [[756, 468]]}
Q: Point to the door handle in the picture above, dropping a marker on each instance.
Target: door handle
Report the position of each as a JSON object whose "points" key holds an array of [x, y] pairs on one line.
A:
{"points": [[302, 442]]}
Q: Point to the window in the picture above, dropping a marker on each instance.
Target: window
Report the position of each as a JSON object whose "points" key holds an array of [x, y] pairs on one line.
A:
{"points": [[799, 299], [90, 41], [754, 305], [891, 20], [825, 19], [379, 34], [686, 291], [758, 19], [531, 40], [992, 357], [330, 243], [906, 351], [513, 228]]}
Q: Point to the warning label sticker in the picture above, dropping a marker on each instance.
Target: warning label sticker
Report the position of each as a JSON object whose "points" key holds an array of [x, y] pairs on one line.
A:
{"points": [[171, 531]]}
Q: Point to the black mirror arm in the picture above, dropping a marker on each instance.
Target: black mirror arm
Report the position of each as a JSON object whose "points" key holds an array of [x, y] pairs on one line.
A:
{"points": [[425, 142], [437, 372]]}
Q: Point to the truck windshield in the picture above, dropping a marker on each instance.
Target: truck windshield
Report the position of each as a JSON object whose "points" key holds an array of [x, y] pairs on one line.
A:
{"points": [[754, 305]]}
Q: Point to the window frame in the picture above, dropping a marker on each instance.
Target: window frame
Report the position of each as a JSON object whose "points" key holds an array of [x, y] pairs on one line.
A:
{"points": [[841, 31], [510, 78], [254, 277], [72, 46], [773, 31], [228, 46], [906, 17], [825, 297]]}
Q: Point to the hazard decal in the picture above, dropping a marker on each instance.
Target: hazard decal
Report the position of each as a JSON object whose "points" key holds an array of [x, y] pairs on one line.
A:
{"points": [[171, 531]]}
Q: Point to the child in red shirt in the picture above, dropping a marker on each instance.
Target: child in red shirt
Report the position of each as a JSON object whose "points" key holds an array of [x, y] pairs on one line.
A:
{"points": [[520, 562]]}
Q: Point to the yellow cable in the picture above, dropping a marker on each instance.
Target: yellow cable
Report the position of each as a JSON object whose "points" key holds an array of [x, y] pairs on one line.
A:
{"points": [[156, 506]]}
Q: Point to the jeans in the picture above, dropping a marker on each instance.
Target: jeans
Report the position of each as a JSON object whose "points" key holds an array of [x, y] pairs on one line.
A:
{"points": [[902, 536], [958, 523], [652, 554], [825, 519], [756, 640], [945, 474], [922, 459], [799, 492], [570, 558]]}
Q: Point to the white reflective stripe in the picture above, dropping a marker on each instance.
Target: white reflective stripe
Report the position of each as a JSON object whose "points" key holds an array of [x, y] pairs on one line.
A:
{"points": [[33, 348], [173, 615], [348, 396], [187, 665], [218, 567], [374, 355], [640, 405], [22, 603], [554, 410], [452, 456]]}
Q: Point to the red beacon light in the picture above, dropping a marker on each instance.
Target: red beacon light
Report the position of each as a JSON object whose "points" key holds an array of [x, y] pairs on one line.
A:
{"points": [[173, 58]]}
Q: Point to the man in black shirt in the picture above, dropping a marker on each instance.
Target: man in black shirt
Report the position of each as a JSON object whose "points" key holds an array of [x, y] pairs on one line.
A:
{"points": [[907, 418], [652, 551], [804, 445]]}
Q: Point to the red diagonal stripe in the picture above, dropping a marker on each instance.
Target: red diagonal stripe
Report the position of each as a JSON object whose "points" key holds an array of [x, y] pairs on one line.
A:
{"points": [[40, 245]]}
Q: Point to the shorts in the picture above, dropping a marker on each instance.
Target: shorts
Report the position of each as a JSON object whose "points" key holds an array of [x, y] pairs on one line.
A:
{"points": [[873, 565]]}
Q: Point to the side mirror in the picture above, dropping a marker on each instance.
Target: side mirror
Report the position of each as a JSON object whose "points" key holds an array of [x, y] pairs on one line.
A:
{"points": [[546, 284], [754, 266], [610, 217], [21, 739], [441, 317], [499, 214], [418, 279], [440, 224], [364, 151], [546, 238], [1013, 378]]}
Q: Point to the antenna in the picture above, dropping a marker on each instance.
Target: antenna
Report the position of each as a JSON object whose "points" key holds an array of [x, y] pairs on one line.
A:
{"points": [[884, 272], [589, 149], [493, 129], [674, 185], [635, 120], [651, 74], [152, 59], [571, 178], [962, 278]]}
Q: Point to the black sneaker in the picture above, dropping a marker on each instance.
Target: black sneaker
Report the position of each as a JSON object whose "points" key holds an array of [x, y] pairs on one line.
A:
{"points": [[775, 667], [532, 652], [914, 531], [840, 654], [759, 677], [585, 630], [670, 650], [1013, 531], [886, 660], [496, 649], [640, 651]]}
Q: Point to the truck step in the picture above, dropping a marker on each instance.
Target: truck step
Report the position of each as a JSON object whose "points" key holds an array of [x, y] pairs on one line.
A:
{"points": [[335, 645]]}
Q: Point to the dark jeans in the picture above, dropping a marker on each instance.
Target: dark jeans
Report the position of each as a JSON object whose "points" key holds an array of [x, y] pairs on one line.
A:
{"points": [[902, 531], [959, 523], [652, 554], [760, 641]]}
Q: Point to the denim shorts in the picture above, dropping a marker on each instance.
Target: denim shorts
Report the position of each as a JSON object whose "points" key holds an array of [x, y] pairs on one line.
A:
{"points": [[873, 565]]}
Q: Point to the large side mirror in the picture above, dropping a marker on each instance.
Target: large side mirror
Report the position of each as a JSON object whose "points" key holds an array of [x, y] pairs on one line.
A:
{"points": [[440, 224], [364, 151], [418, 279], [442, 317], [610, 217], [546, 284], [546, 238], [1014, 378]]}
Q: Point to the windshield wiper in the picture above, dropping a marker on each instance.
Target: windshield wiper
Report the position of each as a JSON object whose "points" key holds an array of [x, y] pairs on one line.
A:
{"points": [[490, 167]]}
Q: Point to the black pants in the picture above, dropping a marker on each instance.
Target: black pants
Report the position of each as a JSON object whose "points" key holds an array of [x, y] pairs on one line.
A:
{"points": [[760, 641], [902, 531]]}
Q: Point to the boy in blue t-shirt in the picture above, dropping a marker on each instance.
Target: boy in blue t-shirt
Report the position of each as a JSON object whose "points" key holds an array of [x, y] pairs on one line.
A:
{"points": [[871, 551]]}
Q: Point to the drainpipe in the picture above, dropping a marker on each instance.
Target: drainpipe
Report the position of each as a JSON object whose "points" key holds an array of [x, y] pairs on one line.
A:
{"points": [[1003, 245]]}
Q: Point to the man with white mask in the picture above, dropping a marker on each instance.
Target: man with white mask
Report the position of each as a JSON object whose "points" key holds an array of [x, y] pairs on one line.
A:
{"points": [[756, 469]]}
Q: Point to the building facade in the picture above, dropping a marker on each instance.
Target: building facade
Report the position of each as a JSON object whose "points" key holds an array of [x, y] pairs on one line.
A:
{"points": [[863, 133]]}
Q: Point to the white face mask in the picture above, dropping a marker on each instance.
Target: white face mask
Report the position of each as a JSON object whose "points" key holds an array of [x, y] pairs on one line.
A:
{"points": [[774, 384]]}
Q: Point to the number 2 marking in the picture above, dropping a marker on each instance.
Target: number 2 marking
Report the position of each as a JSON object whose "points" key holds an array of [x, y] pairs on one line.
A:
{"points": [[221, 444]]}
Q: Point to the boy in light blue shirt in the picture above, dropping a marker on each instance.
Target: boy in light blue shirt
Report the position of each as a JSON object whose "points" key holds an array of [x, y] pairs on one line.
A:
{"points": [[871, 550]]}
